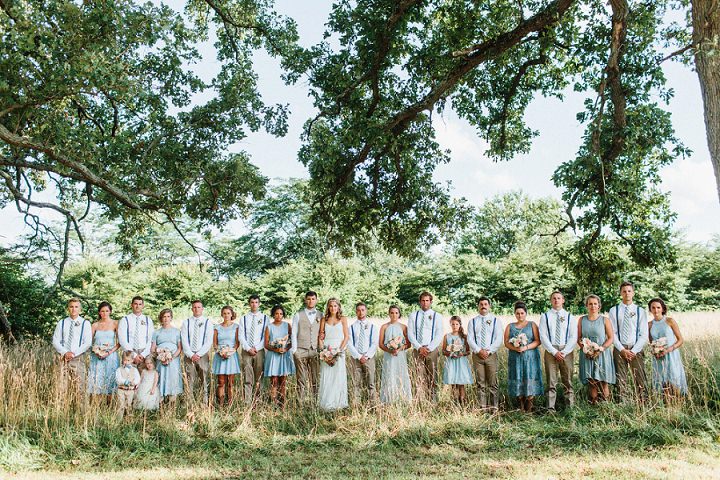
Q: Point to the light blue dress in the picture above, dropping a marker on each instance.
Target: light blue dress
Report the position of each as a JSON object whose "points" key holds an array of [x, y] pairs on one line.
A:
{"points": [[170, 381], [524, 369], [226, 337], [602, 368], [333, 391], [669, 369], [395, 383], [101, 375], [276, 364], [456, 371]]}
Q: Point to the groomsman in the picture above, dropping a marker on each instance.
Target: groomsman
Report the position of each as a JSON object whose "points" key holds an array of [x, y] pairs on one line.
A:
{"points": [[630, 328], [196, 335], [485, 336], [362, 346], [135, 332], [71, 339], [252, 339], [558, 335], [425, 332], [305, 330]]}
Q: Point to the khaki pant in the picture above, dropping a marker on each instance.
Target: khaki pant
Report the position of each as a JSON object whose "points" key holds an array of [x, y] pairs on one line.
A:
{"points": [[252, 367], [306, 365], [198, 372], [559, 371], [125, 401], [426, 375], [637, 367], [73, 375], [486, 377], [364, 377]]}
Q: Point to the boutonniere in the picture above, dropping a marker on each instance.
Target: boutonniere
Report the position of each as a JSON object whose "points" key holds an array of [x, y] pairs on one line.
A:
{"points": [[76, 323], [259, 321], [488, 321], [200, 323], [561, 318], [143, 322], [632, 314]]}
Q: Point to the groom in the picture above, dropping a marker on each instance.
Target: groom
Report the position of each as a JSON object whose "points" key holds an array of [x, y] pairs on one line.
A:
{"points": [[425, 332], [305, 330]]}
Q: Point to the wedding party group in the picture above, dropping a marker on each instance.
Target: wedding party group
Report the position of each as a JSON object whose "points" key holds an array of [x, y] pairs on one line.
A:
{"points": [[318, 348]]}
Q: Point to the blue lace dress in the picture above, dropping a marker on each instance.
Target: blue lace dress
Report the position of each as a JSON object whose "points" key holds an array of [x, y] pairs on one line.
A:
{"points": [[667, 370], [101, 375], [226, 337], [524, 369], [170, 381]]}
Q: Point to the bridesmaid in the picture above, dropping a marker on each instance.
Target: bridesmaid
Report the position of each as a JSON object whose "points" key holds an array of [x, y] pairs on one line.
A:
{"points": [[596, 370], [456, 369], [278, 359], [226, 366], [524, 370], [667, 367], [395, 382], [104, 360], [334, 333], [167, 338]]}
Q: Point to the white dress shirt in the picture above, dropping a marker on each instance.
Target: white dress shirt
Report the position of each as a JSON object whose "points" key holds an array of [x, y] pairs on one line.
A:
{"points": [[638, 336], [568, 331], [82, 336], [493, 333], [313, 315], [369, 346], [204, 329], [258, 340], [430, 335], [126, 333]]}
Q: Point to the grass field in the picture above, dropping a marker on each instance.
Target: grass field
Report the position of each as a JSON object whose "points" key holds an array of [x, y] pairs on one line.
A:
{"points": [[40, 433]]}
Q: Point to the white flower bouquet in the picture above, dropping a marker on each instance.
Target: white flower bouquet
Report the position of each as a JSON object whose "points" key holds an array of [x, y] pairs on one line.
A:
{"points": [[164, 355], [590, 348], [520, 341], [456, 349], [658, 347], [395, 343]]}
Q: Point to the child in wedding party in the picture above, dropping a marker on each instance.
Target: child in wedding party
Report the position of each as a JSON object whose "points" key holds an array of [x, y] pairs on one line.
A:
{"points": [[128, 378], [148, 393], [456, 370]]}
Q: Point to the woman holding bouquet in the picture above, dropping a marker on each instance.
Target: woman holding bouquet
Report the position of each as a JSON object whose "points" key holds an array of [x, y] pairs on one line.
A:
{"points": [[278, 359], [225, 361], [395, 382], [456, 369], [668, 373], [595, 335], [522, 339], [104, 360], [334, 336], [167, 347]]}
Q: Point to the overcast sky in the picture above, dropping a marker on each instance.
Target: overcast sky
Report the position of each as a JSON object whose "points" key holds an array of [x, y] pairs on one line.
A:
{"points": [[689, 182]]}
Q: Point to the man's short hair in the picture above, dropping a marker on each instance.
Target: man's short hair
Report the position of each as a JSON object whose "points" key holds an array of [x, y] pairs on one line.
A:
{"points": [[310, 293], [425, 294]]}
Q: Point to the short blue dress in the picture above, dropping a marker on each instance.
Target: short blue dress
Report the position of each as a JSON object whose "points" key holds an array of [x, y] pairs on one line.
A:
{"points": [[170, 381], [101, 375], [524, 369], [669, 369], [456, 371], [278, 365], [226, 337]]}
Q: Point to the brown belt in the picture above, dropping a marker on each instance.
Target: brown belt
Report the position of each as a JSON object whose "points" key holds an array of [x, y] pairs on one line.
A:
{"points": [[127, 388]]}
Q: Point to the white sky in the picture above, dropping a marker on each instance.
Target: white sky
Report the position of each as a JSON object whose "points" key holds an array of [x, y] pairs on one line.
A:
{"points": [[689, 182]]}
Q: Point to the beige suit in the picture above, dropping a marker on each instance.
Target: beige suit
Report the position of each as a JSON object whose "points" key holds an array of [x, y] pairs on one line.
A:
{"points": [[305, 353]]}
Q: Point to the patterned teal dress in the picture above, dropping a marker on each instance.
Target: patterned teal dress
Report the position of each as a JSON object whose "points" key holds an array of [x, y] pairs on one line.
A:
{"points": [[170, 381], [101, 376], [276, 364], [669, 369], [524, 369], [456, 371], [601, 369], [226, 337]]}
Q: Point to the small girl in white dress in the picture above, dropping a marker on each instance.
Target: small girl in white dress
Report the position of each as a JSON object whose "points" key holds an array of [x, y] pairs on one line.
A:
{"points": [[148, 393]]}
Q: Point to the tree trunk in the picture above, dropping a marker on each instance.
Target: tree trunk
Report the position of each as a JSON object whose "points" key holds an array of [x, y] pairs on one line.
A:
{"points": [[5, 329], [706, 37]]}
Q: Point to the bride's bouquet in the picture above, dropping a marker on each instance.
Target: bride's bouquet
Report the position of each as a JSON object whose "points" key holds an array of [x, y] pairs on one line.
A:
{"points": [[226, 352], [281, 342], [456, 349], [519, 341], [329, 355], [395, 343], [590, 348], [164, 355], [658, 347]]}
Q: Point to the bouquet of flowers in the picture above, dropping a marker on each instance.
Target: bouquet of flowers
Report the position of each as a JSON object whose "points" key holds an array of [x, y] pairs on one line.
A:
{"points": [[329, 355], [226, 351], [282, 342], [164, 355], [657, 347], [102, 351], [590, 348], [456, 349], [519, 341], [395, 343]]}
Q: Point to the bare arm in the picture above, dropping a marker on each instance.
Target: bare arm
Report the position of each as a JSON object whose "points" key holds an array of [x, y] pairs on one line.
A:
{"points": [[506, 340], [536, 336], [676, 330], [407, 339], [381, 340], [215, 341], [346, 333], [117, 339], [608, 333], [443, 346], [579, 335]]}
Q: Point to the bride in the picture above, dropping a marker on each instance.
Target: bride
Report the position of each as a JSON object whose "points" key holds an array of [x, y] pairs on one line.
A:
{"points": [[333, 336]]}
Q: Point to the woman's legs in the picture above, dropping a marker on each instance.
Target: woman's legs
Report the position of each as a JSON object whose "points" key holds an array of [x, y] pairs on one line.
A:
{"points": [[220, 390], [281, 387], [592, 392], [529, 404]]}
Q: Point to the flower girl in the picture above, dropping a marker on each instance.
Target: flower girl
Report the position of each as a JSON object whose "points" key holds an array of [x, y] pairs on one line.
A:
{"points": [[147, 396], [456, 369]]}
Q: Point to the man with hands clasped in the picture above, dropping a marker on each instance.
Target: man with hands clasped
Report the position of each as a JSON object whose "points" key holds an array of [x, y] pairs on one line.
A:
{"points": [[485, 336], [558, 335]]}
